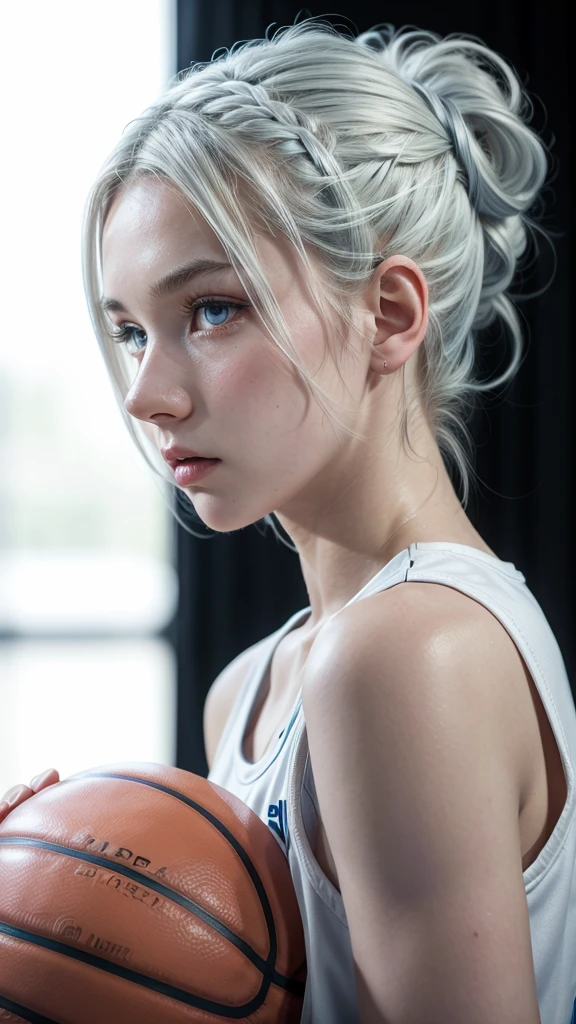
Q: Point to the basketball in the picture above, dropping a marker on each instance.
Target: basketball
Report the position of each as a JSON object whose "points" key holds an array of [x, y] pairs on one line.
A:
{"points": [[138, 893]]}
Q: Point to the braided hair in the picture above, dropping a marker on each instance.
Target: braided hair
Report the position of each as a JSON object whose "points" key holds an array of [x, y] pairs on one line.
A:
{"points": [[355, 148]]}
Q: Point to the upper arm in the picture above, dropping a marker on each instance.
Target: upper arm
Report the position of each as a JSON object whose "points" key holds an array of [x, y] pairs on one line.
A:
{"points": [[222, 694], [419, 796]]}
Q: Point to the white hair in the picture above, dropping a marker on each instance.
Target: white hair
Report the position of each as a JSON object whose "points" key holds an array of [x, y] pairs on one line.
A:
{"points": [[323, 137]]}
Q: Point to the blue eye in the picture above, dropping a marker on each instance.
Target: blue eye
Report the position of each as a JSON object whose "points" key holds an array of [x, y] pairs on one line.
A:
{"points": [[210, 309], [127, 333]]}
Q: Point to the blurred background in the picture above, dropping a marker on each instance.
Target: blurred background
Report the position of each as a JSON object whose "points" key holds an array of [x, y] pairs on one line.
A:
{"points": [[114, 621], [87, 580]]}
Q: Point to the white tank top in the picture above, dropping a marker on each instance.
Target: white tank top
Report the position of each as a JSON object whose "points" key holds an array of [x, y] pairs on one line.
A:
{"points": [[280, 789]]}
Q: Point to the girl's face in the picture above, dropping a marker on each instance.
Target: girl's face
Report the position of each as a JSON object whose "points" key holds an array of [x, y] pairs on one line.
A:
{"points": [[211, 380]]}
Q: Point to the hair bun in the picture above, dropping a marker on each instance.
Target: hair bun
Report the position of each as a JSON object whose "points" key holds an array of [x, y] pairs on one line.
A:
{"points": [[484, 200], [477, 97], [473, 90]]}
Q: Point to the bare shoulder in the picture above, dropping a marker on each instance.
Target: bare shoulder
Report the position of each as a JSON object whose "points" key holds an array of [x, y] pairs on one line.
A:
{"points": [[442, 645], [222, 695], [408, 705], [425, 619]]}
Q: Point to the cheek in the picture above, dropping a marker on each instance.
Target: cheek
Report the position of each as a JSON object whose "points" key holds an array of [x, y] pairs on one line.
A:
{"points": [[265, 406], [255, 390]]}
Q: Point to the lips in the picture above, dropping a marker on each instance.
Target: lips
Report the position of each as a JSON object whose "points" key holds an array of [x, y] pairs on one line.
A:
{"points": [[174, 455], [187, 472]]}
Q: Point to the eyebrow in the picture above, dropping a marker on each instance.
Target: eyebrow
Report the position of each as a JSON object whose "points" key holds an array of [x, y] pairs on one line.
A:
{"points": [[171, 282]]}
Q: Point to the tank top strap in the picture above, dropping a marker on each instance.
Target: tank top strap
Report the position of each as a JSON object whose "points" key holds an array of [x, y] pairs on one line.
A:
{"points": [[239, 713]]}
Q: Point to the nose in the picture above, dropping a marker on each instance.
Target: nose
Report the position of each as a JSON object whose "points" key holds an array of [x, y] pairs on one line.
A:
{"points": [[158, 389]]}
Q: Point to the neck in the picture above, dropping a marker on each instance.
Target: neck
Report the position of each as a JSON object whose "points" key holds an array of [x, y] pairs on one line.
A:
{"points": [[356, 517]]}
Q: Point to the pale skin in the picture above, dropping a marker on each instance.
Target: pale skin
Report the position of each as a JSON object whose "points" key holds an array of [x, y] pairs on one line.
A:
{"points": [[349, 506], [236, 397]]}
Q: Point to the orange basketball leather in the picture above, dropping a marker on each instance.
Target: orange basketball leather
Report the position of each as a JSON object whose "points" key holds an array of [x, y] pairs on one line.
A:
{"points": [[142, 894]]}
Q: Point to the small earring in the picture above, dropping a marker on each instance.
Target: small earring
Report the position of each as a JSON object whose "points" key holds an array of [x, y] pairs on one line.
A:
{"points": [[385, 364]]}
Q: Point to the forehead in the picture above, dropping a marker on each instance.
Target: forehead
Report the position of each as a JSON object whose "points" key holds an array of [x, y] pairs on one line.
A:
{"points": [[149, 216], [151, 228]]}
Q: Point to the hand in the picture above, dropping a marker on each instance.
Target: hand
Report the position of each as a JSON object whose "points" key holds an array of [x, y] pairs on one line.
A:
{"points": [[18, 794]]}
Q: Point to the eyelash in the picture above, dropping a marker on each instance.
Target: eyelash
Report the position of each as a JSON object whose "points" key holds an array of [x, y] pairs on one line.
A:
{"points": [[123, 335]]}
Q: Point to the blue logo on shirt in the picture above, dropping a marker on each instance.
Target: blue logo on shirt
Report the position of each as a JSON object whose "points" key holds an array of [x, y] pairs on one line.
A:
{"points": [[278, 820]]}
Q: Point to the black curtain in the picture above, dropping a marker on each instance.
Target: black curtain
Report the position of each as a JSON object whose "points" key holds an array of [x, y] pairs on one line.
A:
{"points": [[240, 587]]}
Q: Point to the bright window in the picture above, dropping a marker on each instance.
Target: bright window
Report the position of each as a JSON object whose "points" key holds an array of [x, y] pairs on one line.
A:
{"points": [[86, 581]]}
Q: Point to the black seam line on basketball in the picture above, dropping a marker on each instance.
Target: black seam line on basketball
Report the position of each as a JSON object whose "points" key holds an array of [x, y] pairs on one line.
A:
{"points": [[277, 978], [23, 1011], [234, 1012], [225, 832], [269, 974]]}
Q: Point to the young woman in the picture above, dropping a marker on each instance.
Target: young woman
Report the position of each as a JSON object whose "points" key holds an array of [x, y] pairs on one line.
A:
{"points": [[286, 261]]}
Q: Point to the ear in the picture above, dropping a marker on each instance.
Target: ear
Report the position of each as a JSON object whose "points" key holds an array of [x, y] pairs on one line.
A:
{"points": [[396, 302]]}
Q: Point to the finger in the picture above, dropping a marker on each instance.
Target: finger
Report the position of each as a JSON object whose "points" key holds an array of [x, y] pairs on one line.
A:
{"points": [[16, 795], [12, 798], [47, 778]]}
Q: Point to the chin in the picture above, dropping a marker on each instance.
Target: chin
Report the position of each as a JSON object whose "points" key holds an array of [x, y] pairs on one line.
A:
{"points": [[223, 516]]}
